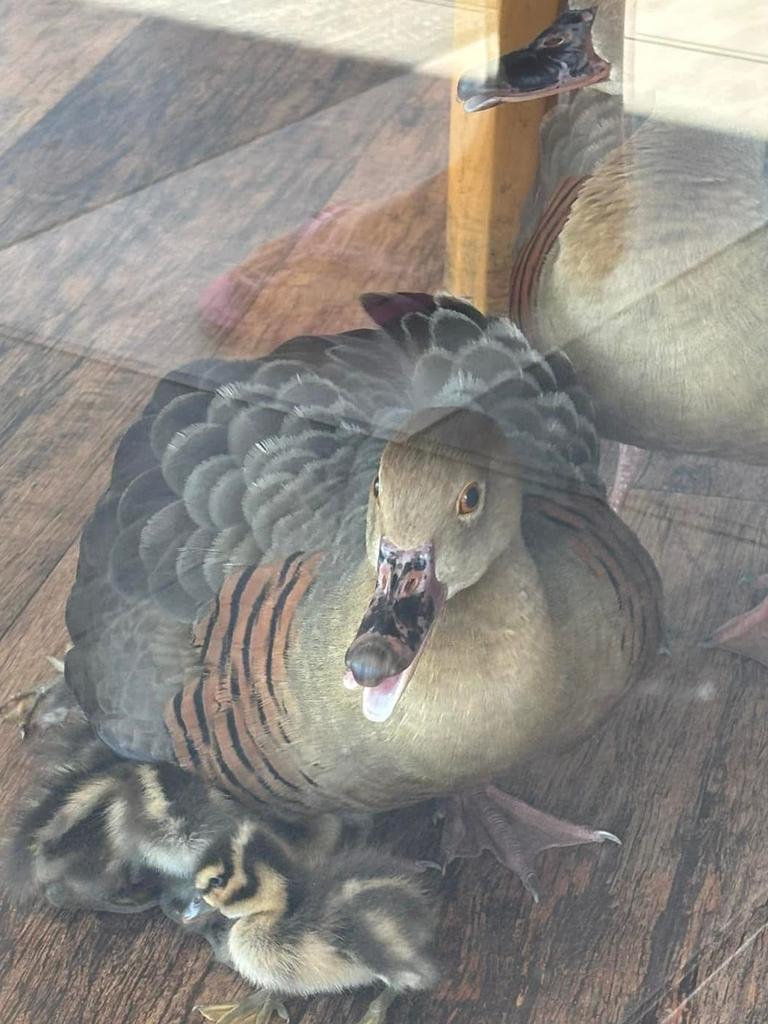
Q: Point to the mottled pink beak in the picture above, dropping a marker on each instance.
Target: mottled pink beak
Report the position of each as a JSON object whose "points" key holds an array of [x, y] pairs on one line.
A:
{"points": [[395, 626]]}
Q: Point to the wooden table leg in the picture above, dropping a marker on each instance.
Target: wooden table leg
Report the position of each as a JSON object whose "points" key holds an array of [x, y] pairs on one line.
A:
{"points": [[493, 154]]}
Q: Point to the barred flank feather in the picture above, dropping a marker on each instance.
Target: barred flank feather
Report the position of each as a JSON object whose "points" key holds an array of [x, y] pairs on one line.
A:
{"points": [[241, 693]]}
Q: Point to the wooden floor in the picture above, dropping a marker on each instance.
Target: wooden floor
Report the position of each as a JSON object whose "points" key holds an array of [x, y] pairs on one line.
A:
{"points": [[138, 160]]}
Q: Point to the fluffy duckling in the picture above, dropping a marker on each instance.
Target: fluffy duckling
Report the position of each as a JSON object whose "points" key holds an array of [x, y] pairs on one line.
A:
{"points": [[100, 833], [304, 845], [356, 919]]}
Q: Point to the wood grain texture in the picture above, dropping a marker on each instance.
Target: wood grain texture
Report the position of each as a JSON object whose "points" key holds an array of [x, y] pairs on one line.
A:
{"points": [[168, 97], [665, 930], [42, 55], [493, 154], [123, 282]]}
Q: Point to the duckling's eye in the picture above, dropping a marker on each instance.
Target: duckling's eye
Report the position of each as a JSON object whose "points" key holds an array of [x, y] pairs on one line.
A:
{"points": [[469, 499], [216, 882], [376, 487], [552, 41]]}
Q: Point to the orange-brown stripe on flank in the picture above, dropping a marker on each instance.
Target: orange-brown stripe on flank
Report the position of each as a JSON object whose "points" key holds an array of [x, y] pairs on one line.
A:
{"points": [[260, 715], [249, 730], [238, 762], [240, 687], [602, 538], [238, 755], [186, 734], [195, 733], [293, 595], [526, 268], [188, 715], [233, 722], [213, 687], [549, 227], [273, 681]]}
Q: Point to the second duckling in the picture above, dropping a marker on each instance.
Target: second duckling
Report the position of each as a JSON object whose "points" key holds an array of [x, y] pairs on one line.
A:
{"points": [[100, 833], [359, 918]]}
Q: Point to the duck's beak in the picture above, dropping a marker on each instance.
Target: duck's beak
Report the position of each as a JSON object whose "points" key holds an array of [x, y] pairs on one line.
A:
{"points": [[562, 58], [395, 627]]}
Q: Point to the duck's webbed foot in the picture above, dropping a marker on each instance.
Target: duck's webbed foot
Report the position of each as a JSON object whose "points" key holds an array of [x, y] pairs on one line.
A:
{"points": [[746, 634], [259, 1007], [21, 708], [377, 1011], [513, 831], [46, 705]]}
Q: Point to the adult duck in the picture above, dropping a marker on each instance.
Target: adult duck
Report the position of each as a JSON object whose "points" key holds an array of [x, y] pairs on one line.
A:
{"points": [[363, 571], [643, 255]]}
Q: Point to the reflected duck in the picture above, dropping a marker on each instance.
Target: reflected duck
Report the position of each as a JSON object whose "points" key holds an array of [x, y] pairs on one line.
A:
{"points": [[642, 255]]}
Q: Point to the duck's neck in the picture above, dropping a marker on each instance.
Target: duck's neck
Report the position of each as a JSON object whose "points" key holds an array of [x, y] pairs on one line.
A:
{"points": [[472, 627], [477, 614], [482, 668]]}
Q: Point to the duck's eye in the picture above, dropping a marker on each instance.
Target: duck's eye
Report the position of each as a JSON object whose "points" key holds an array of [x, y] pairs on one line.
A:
{"points": [[469, 499], [376, 487]]}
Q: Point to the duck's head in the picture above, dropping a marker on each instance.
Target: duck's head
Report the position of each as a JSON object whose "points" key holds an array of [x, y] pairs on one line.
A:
{"points": [[445, 503], [246, 873], [558, 60]]}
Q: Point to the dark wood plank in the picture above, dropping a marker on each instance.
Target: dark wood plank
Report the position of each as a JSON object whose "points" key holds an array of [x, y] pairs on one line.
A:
{"points": [[58, 432], [48, 485], [123, 282], [168, 97], [364, 244], [728, 984], [47, 48]]}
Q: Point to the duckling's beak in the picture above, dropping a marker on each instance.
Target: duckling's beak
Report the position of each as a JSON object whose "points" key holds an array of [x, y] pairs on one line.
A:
{"points": [[195, 908], [395, 627], [562, 58]]}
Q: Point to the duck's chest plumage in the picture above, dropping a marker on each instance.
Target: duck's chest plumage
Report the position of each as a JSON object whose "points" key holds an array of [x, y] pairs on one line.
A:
{"points": [[266, 715], [513, 668]]}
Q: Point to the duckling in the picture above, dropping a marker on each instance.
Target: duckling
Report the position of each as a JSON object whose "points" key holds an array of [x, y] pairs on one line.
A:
{"points": [[307, 843], [355, 919], [100, 833]]}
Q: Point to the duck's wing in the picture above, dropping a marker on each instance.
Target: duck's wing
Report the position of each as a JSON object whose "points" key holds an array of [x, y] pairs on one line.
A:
{"points": [[485, 363], [232, 464], [237, 466]]}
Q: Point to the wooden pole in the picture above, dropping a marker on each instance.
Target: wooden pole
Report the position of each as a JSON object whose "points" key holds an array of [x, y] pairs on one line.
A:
{"points": [[493, 154]]}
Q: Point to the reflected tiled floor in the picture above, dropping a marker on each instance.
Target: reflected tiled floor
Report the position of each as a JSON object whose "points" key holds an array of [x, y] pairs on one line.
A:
{"points": [[140, 159]]}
